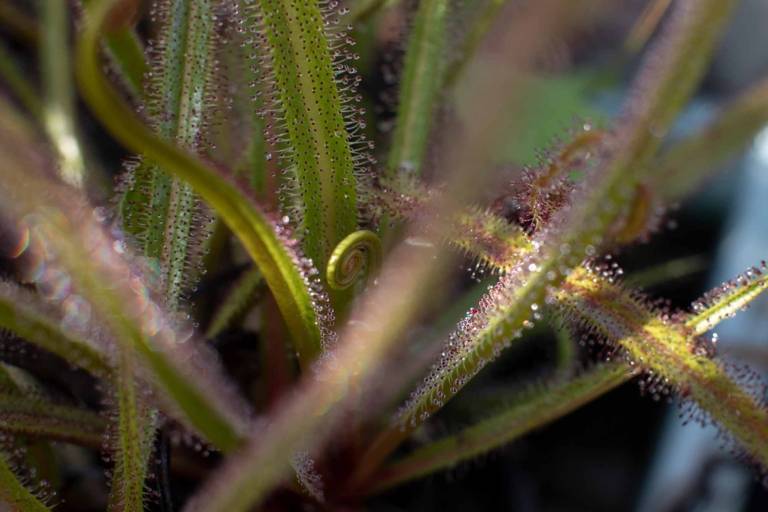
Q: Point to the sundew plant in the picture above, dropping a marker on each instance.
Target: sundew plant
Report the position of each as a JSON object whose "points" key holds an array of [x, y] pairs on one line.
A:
{"points": [[263, 308]]}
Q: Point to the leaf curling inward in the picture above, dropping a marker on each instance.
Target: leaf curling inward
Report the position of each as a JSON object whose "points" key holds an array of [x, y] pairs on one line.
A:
{"points": [[315, 118], [290, 277]]}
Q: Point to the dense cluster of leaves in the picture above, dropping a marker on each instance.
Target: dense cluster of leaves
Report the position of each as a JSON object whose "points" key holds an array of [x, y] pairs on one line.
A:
{"points": [[248, 131]]}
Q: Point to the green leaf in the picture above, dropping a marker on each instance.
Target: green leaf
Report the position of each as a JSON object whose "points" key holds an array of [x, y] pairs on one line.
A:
{"points": [[133, 443], [24, 314], [35, 417], [359, 253], [59, 105], [726, 300], [15, 494], [126, 51], [668, 271], [668, 349], [420, 85], [287, 276], [127, 54], [317, 152], [532, 409], [108, 287], [236, 302], [161, 211], [684, 166]]}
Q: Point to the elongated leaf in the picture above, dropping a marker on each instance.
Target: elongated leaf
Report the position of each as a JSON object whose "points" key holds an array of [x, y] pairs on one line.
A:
{"points": [[164, 213], [127, 54], [603, 312], [661, 89], [726, 300], [77, 246], [605, 300], [237, 301], [684, 166], [133, 439], [38, 418], [669, 350], [667, 271], [161, 211], [59, 107], [419, 87], [408, 281], [287, 275], [310, 67], [531, 410], [24, 314], [15, 494]]}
